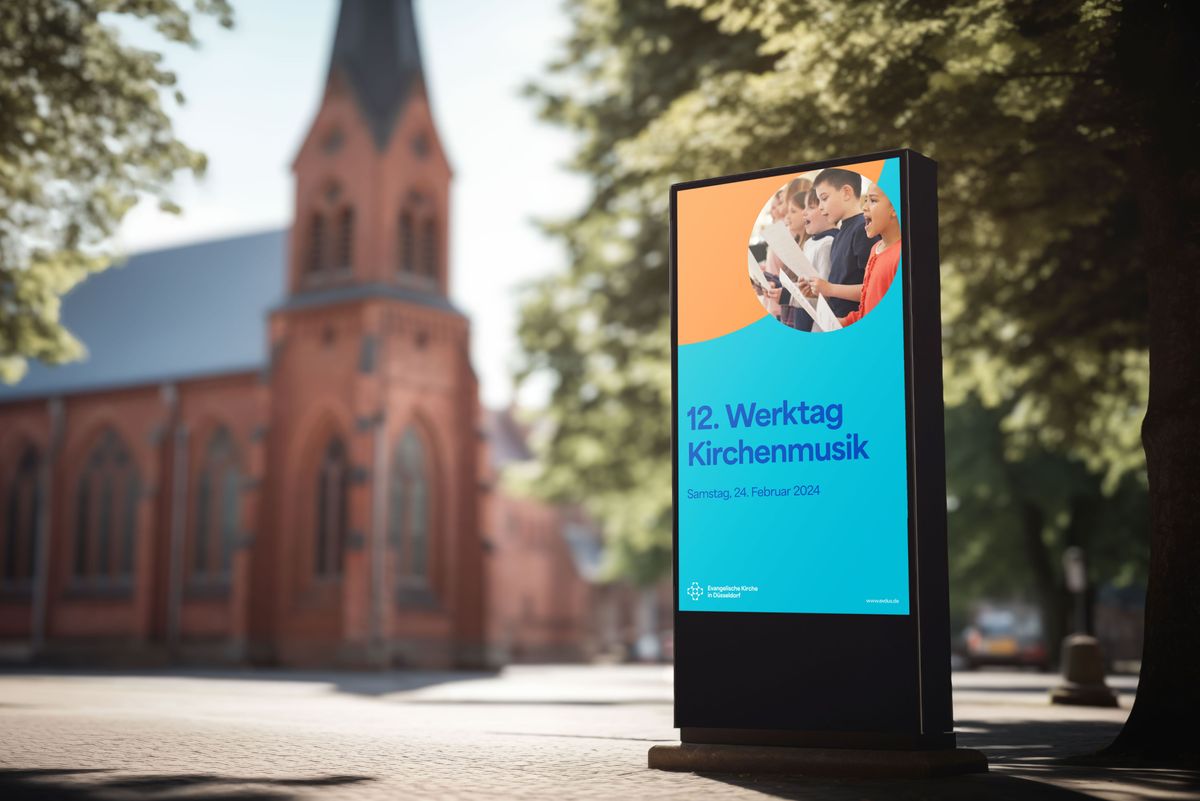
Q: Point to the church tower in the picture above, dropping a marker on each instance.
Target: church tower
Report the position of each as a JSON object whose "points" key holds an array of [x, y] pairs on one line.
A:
{"points": [[372, 553], [372, 178]]}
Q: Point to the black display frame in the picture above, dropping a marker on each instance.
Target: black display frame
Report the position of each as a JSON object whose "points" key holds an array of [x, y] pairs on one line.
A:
{"points": [[837, 680]]}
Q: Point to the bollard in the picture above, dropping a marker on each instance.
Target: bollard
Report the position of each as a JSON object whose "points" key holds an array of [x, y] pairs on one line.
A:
{"points": [[1083, 674]]}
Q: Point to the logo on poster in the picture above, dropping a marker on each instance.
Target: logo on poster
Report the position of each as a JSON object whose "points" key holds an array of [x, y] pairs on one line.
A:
{"points": [[694, 591]]}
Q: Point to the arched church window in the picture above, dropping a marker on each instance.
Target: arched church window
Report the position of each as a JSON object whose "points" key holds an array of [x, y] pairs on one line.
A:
{"points": [[408, 243], [332, 493], [429, 248], [23, 503], [345, 244], [217, 511], [106, 512], [409, 510], [316, 243], [421, 146]]}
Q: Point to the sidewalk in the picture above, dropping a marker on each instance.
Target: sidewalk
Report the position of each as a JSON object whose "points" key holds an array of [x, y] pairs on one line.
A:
{"points": [[528, 733]]}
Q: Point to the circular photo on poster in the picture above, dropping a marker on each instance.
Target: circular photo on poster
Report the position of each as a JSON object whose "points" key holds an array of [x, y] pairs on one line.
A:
{"points": [[824, 250]]}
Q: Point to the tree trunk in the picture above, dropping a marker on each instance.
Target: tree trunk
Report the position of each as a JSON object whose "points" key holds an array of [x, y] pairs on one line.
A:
{"points": [[1157, 58], [1050, 596], [1083, 520]]}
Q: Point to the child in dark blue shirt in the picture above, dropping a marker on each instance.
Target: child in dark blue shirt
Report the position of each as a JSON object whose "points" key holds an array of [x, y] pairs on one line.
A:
{"points": [[839, 191]]}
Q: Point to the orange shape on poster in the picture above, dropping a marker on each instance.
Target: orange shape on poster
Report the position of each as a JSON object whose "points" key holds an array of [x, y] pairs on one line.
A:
{"points": [[714, 225]]}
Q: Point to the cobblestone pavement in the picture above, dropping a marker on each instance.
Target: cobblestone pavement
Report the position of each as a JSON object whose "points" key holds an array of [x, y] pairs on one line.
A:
{"points": [[528, 733]]}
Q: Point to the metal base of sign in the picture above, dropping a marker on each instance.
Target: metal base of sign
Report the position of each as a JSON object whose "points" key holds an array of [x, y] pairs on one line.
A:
{"points": [[858, 740], [832, 762]]}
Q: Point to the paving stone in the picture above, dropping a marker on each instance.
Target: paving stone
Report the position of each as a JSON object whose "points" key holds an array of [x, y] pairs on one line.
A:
{"points": [[527, 733]]}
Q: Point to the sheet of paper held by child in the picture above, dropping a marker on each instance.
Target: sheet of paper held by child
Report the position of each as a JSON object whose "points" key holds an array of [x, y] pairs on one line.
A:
{"points": [[798, 298], [781, 243], [825, 316], [756, 272]]}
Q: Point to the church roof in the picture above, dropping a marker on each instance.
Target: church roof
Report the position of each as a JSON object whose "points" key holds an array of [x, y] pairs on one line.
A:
{"points": [[181, 312], [377, 52], [186, 312]]}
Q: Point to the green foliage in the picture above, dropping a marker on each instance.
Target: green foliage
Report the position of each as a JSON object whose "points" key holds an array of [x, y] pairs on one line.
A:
{"points": [[1021, 103], [993, 498], [83, 136], [601, 328]]}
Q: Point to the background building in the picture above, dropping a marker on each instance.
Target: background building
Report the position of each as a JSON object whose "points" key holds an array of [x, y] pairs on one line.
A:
{"points": [[275, 451]]}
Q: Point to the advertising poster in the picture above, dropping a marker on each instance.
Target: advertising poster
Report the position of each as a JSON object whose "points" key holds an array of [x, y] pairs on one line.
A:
{"points": [[790, 377]]}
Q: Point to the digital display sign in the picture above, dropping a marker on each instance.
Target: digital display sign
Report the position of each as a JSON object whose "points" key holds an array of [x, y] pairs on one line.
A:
{"points": [[808, 459], [791, 438]]}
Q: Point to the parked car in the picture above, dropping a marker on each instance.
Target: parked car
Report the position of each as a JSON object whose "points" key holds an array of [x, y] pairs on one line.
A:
{"points": [[1006, 636]]}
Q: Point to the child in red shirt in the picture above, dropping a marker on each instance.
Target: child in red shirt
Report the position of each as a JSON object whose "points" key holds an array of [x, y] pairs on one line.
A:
{"points": [[881, 220]]}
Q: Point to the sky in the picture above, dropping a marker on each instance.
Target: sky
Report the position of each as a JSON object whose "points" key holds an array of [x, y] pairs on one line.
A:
{"points": [[252, 92]]}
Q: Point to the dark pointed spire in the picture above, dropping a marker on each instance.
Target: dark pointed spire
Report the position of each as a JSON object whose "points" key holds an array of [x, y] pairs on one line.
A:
{"points": [[378, 55]]}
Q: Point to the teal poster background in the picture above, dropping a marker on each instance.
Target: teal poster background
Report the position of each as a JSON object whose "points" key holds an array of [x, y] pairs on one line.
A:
{"points": [[836, 542]]}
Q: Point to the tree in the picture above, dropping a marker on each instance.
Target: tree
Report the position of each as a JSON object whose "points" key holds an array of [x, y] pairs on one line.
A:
{"points": [[611, 363], [83, 136], [1011, 517], [1062, 131]]}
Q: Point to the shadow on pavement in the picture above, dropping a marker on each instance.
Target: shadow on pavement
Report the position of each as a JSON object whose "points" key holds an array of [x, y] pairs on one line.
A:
{"points": [[981, 787], [1047, 750], [1029, 688], [1029, 759], [1141, 782], [43, 785], [1013, 740], [366, 683]]}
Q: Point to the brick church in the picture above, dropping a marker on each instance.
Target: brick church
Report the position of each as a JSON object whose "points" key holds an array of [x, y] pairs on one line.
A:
{"points": [[275, 451]]}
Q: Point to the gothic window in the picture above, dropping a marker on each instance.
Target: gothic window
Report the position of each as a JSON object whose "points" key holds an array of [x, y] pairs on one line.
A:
{"points": [[23, 503], [217, 511], [420, 146], [408, 244], [332, 492], [429, 248], [345, 244], [409, 510], [316, 243], [333, 141], [106, 512]]}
